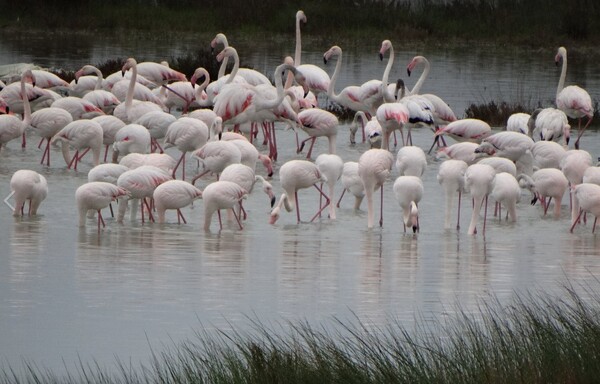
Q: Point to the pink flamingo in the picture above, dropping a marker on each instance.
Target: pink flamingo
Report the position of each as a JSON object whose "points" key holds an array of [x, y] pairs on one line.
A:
{"points": [[186, 134], [78, 108], [47, 122], [96, 195], [245, 177], [131, 138], [546, 183], [252, 76], [110, 125], [174, 194], [101, 98], [221, 195], [374, 167], [295, 175], [479, 182], [506, 191], [572, 100], [27, 185], [318, 122], [140, 183], [352, 183], [81, 134], [11, 127], [131, 109], [451, 175], [408, 191], [518, 122], [215, 156], [587, 196], [331, 167], [411, 161]]}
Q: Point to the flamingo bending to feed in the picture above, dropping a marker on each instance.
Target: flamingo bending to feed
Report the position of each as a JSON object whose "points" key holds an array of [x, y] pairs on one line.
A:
{"points": [[332, 167], [174, 194], [219, 195], [295, 175], [478, 180], [588, 197], [409, 191], [27, 185], [11, 127], [352, 183], [81, 134], [96, 195], [374, 167], [451, 175], [545, 183]]}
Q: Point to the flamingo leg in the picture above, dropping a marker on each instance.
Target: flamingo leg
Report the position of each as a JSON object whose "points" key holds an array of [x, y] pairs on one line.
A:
{"points": [[40, 143], [74, 160], [340, 199], [46, 154], [83, 154], [180, 217], [381, 209], [100, 220], [181, 159], [106, 152], [485, 214], [458, 218], [594, 227], [321, 207], [274, 140], [220, 222], [237, 218], [576, 220], [150, 215], [297, 206], [581, 131]]}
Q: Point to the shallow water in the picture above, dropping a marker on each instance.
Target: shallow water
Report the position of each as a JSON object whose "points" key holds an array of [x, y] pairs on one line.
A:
{"points": [[68, 293]]}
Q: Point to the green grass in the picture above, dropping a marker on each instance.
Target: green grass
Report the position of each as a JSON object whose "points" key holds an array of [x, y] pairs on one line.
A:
{"points": [[534, 339]]}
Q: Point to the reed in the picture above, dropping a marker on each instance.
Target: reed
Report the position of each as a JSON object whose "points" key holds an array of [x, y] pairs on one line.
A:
{"points": [[535, 339]]}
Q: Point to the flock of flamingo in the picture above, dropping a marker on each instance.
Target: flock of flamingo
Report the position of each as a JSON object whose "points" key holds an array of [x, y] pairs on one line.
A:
{"points": [[221, 121]]}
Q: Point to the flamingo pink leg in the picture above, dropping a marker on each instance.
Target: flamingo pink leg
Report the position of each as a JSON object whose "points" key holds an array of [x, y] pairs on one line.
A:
{"points": [[318, 214]]}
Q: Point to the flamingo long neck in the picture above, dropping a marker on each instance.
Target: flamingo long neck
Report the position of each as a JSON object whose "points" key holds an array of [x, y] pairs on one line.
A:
{"points": [[388, 97], [288, 201], [26, 106], [298, 52], [331, 89], [424, 74], [236, 66], [201, 88], [272, 103], [223, 67], [99, 77], [131, 88], [563, 74]]}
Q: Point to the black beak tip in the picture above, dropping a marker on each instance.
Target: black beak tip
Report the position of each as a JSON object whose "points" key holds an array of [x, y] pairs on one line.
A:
{"points": [[270, 174], [408, 71], [273, 201], [380, 56]]}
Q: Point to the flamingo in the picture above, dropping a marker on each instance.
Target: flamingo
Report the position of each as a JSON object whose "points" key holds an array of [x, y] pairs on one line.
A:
{"points": [[464, 151], [157, 123], [350, 96], [250, 155], [408, 191], [96, 195], [551, 124], [11, 127], [174, 194], [12, 94], [512, 145], [159, 160], [108, 173], [587, 196], [81, 134], [131, 138], [573, 165], [187, 134], [110, 125], [546, 182], [517, 122], [547, 154], [371, 130], [131, 110], [215, 156], [221, 195], [473, 130], [317, 79], [26, 185], [506, 191], [411, 161], [47, 122], [214, 88], [391, 117], [500, 164], [45, 79], [159, 73], [479, 181], [451, 175], [78, 108], [318, 122], [100, 97], [331, 167], [573, 100], [374, 167], [245, 177], [352, 183], [252, 76], [140, 182], [295, 175]]}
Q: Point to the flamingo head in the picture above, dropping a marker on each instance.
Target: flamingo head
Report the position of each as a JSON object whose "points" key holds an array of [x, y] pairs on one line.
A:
{"points": [[274, 215], [412, 220], [226, 52], [385, 46], [268, 163], [199, 73], [300, 16], [129, 63], [335, 50], [268, 189], [28, 76]]}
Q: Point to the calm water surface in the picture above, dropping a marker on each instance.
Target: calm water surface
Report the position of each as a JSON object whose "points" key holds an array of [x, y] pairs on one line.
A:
{"points": [[68, 293]]}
